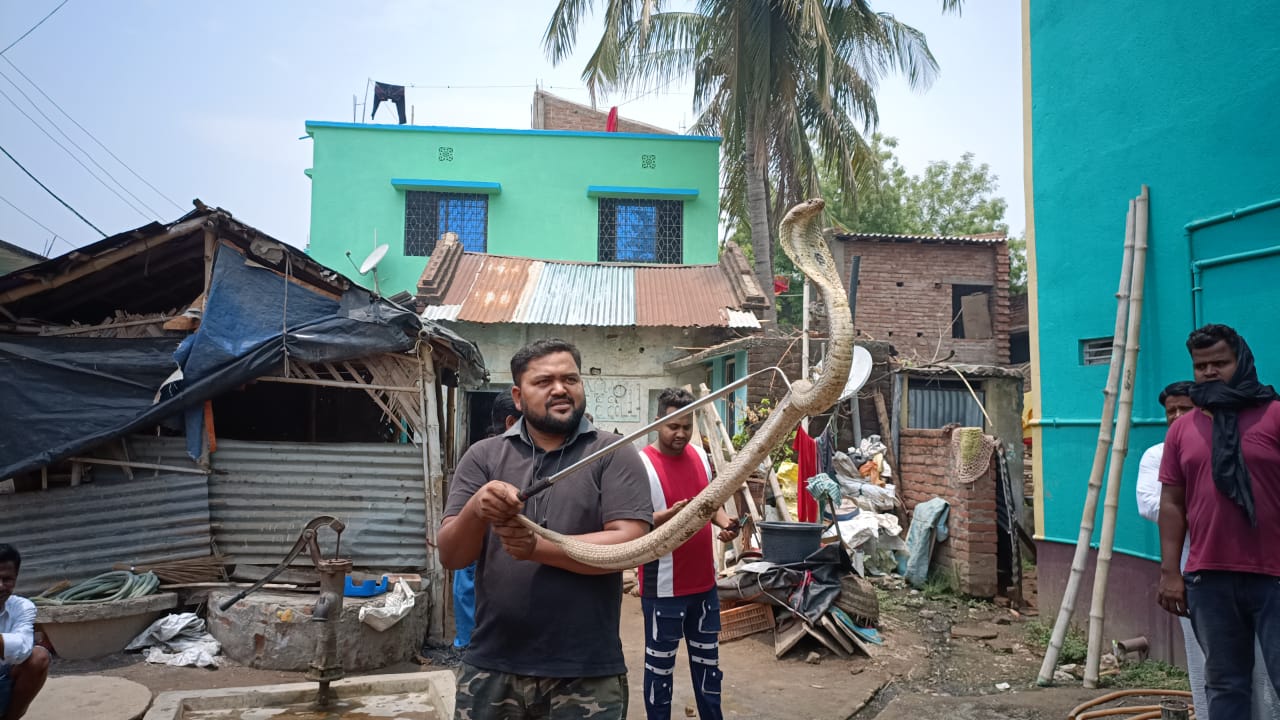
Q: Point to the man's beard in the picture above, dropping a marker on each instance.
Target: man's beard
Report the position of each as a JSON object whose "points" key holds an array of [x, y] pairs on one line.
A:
{"points": [[552, 425]]}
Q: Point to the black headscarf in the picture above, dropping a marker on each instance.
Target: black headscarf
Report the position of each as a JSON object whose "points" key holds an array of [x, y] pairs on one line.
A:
{"points": [[1225, 400]]}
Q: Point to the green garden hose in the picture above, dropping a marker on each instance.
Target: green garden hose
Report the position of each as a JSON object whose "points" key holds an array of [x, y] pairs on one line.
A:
{"points": [[107, 587]]}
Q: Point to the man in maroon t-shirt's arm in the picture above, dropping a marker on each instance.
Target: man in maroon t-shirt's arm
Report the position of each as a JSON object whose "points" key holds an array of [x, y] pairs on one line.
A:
{"points": [[1220, 480], [678, 591]]}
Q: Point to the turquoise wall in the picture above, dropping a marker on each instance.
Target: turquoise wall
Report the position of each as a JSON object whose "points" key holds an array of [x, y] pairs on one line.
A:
{"points": [[542, 210], [1185, 99]]}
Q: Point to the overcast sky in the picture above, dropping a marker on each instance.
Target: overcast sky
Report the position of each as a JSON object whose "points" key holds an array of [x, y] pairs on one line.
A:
{"points": [[208, 100]]}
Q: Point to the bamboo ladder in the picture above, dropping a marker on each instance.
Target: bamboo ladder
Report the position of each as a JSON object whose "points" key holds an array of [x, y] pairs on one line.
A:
{"points": [[1123, 302]]}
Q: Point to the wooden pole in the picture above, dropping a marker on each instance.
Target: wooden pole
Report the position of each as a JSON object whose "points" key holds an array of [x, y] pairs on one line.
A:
{"points": [[1068, 606], [1120, 448], [432, 478]]}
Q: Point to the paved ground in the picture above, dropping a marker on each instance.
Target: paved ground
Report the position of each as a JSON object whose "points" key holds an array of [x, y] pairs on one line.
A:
{"points": [[944, 658]]}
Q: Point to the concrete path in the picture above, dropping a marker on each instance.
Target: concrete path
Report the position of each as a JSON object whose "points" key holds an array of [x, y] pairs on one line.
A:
{"points": [[81, 697]]}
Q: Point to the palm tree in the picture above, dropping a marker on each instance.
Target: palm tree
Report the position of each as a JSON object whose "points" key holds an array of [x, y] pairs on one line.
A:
{"points": [[775, 78]]}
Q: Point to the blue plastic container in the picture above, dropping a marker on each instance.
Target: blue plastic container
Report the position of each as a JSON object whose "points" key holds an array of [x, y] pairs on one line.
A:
{"points": [[789, 542], [368, 588]]}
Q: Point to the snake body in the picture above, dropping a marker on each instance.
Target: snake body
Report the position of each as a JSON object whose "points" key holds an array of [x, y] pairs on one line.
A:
{"points": [[802, 239]]}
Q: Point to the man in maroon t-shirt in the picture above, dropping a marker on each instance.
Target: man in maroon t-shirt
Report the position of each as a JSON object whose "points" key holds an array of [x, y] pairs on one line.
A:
{"points": [[1220, 480], [678, 591]]}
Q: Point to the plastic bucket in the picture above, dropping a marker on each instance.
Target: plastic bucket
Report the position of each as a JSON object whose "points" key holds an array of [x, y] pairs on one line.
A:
{"points": [[789, 542]]}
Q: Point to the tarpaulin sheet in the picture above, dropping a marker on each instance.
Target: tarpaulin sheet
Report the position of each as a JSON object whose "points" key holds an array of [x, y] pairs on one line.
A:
{"points": [[807, 588], [62, 396]]}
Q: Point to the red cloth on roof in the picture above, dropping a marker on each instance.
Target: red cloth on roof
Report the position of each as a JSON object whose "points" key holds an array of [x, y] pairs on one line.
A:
{"points": [[611, 125], [807, 460]]}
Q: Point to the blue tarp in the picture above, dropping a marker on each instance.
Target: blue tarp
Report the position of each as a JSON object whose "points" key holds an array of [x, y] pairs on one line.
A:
{"points": [[62, 396]]}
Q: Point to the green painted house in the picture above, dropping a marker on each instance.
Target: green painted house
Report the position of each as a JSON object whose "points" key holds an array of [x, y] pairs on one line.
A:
{"points": [[1117, 95], [549, 194]]}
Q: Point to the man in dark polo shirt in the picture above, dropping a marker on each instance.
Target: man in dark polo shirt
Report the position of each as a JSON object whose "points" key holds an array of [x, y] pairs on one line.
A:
{"points": [[1221, 481], [546, 640]]}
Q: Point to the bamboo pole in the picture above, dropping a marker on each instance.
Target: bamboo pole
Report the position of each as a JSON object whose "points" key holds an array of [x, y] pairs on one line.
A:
{"points": [[1068, 606], [1120, 448], [433, 479]]}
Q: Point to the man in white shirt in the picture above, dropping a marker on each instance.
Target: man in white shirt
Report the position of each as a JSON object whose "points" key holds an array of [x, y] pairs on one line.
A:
{"points": [[23, 667], [1176, 401]]}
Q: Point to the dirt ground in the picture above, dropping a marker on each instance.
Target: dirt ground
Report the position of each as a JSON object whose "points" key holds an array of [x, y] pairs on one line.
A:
{"points": [[943, 657]]}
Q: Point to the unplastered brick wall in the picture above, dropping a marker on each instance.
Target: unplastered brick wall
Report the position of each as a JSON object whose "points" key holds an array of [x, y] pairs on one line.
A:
{"points": [[905, 295], [554, 113], [924, 470]]}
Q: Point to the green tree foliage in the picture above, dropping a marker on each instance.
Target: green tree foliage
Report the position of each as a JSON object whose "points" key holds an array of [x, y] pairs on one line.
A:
{"points": [[781, 81]]}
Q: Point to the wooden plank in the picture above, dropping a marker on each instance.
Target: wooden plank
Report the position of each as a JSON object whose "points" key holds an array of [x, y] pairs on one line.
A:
{"points": [[839, 634], [882, 414], [822, 637], [780, 501], [975, 315], [337, 384], [105, 260], [137, 465], [434, 479], [80, 329], [786, 636]]}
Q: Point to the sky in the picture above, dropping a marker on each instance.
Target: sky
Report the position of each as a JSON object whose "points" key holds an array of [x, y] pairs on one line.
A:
{"points": [[178, 100]]}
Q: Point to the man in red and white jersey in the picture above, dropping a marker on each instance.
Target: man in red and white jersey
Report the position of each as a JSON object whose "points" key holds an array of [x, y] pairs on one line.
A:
{"points": [[678, 591]]}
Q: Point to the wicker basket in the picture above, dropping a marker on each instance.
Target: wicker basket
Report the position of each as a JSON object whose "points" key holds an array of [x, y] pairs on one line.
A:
{"points": [[747, 620]]}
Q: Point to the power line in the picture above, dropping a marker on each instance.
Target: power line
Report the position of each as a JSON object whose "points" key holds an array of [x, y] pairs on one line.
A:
{"points": [[33, 27], [77, 145], [91, 135], [46, 189], [24, 214], [73, 155]]}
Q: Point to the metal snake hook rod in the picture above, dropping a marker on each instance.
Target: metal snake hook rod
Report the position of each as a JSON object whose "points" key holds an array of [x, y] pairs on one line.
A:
{"points": [[630, 437]]}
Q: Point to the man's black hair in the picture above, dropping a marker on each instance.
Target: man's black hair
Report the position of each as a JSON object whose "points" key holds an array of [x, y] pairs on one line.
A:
{"points": [[541, 348], [1182, 388], [1210, 335], [10, 554], [673, 398], [503, 407]]}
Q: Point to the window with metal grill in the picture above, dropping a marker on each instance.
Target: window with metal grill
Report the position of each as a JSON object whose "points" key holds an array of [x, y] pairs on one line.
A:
{"points": [[1096, 351], [429, 215], [642, 231]]}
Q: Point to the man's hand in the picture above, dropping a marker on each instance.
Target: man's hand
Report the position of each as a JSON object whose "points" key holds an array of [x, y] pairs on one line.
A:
{"points": [[518, 540], [662, 516], [729, 531], [1172, 593], [496, 502]]}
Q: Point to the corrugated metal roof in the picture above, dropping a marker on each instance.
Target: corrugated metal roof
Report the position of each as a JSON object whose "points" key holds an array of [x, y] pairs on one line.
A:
{"points": [[263, 493], [983, 239], [496, 291], [74, 533], [500, 289], [683, 296], [573, 294]]}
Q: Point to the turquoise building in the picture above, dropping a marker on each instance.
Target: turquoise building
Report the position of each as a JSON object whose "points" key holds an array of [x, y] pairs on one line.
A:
{"points": [[1185, 100], [548, 194]]}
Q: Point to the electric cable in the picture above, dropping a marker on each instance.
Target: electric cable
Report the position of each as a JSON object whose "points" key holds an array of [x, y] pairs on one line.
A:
{"points": [[24, 214], [33, 27], [52, 193], [73, 155], [92, 137]]}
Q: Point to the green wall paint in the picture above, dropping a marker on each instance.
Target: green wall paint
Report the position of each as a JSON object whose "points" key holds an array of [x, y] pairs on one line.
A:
{"points": [[1124, 94], [542, 210]]}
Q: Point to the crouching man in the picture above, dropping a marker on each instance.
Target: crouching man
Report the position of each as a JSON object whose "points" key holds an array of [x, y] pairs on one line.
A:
{"points": [[23, 667]]}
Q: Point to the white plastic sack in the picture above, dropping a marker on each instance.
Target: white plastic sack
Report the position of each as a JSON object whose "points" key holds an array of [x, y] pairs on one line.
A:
{"points": [[179, 639], [394, 606]]}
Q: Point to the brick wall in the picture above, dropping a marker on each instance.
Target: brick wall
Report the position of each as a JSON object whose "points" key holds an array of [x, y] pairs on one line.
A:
{"points": [[904, 295], [924, 470], [554, 113]]}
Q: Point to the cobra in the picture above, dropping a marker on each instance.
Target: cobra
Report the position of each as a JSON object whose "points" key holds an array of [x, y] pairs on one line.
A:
{"points": [[801, 237]]}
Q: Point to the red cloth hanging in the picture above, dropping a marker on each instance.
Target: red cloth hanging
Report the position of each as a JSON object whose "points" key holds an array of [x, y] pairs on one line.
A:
{"points": [[611, 125], [807, 462]]}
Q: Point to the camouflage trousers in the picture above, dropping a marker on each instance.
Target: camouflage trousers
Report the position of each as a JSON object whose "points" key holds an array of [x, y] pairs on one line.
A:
{"points": [[486, 695]]}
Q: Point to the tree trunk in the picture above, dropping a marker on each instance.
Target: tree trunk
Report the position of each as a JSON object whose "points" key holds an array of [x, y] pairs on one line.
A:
{"points": [[758, 218]]}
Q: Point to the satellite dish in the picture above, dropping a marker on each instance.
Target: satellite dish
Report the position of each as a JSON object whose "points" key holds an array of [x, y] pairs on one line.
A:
{"points": [[374, 258], [858, 372]]}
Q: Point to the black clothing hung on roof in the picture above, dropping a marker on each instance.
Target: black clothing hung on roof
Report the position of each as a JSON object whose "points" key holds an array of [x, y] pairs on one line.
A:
{"points": [[392, 93]]}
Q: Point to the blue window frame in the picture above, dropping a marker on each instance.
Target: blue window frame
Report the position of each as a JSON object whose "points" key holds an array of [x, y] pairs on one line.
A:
{"points": [[429, 215], [641, 231]]}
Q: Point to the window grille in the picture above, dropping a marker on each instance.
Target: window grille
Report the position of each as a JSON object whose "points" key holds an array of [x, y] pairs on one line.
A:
{"points": [[642, 231], [429, 215], [1096, 351]]}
